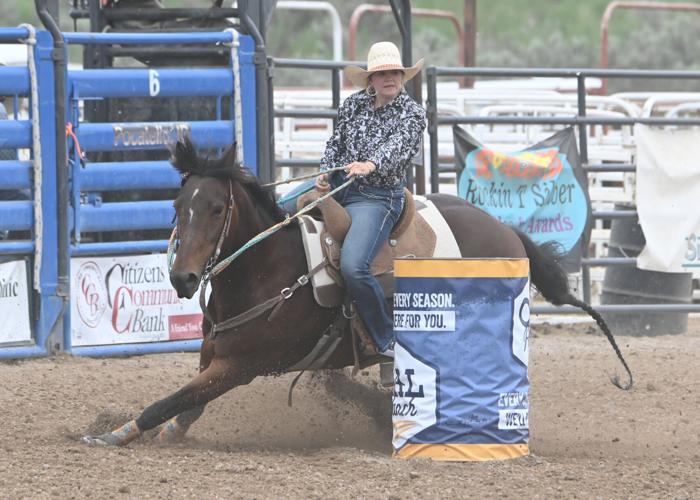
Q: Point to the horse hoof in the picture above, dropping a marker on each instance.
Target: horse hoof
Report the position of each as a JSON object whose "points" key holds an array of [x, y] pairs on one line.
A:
{"points": [[107, 439], [171, 433]]}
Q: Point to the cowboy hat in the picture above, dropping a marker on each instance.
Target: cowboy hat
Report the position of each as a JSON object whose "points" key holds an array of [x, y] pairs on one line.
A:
{"points": [[382, 56]]}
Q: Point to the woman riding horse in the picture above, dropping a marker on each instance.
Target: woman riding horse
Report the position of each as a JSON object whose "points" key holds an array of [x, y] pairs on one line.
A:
{"points": [[379, 131], [220, 209]]}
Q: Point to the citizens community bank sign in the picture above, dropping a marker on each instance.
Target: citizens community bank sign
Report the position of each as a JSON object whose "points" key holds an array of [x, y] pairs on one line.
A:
{"points": [[118, 300]]}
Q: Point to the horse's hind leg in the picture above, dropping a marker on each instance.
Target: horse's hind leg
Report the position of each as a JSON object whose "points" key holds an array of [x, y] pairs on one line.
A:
{"points": [[175, 429], [219, 377]]}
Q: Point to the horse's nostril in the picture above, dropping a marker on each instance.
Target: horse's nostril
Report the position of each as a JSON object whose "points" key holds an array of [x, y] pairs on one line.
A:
{"points": [[185, 283]]}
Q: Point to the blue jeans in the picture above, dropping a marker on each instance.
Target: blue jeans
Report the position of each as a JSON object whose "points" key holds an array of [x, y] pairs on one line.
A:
{"points": [[374, 213], [289, 204]]}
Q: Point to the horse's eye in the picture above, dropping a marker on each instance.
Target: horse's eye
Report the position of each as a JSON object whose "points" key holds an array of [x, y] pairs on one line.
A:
{"points": [[218, 210]]}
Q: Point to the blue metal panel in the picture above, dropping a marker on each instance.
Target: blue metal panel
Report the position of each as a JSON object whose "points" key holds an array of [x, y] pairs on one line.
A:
{"points": [[246, 50], [52, 306], [92, 83], [16, 215], [15, 174], [119, 248], [148, 38], [127, 216], [16, 247], [129, 175], [94, 137], [13, 34], [152, 135], [137, 349], [30, 351], [14, 81], [15, 134]]}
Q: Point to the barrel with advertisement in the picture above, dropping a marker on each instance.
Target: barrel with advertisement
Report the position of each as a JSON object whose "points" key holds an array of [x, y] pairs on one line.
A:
{"points": [[461, 355]]}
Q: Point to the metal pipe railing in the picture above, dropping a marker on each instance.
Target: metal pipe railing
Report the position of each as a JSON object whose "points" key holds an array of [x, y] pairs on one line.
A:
{"points": [[613, 6], [62, 185], [566, 72], [11, 35], [81, 38], [581, 121], [263, 91], [327, 7]]}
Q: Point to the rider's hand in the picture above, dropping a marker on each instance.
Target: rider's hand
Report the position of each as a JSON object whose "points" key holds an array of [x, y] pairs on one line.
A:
{"points": [[321, 184], [360, 168]]}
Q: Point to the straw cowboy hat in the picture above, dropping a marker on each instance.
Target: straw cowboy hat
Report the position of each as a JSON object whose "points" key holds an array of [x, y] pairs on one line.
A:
{"points": [[382, 56]]}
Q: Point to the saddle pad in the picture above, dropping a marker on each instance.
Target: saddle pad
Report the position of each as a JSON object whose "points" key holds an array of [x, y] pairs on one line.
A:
{"points": [[445, 244], [327, 292]]}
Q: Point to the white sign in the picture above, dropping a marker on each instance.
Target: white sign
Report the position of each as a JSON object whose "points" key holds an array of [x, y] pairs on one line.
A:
{"points": [[414, 400], [419, 319], [521, 324], [424, 321], [514, 419], [14, 303], [668, 181], [127, 299]]}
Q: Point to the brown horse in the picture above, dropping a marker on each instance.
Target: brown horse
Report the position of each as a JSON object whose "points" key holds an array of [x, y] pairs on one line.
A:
{"points": [[221, 207]]}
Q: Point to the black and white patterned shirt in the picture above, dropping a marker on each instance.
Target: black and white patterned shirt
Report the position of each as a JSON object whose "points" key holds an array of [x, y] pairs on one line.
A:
{"points": [[388, 136]]}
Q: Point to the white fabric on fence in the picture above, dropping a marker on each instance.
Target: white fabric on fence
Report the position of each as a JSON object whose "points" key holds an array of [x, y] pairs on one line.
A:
{"points": [[668, 198]]}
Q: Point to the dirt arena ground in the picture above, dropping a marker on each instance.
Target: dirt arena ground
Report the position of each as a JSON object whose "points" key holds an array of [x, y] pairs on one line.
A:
{"points": [[588, 439]]}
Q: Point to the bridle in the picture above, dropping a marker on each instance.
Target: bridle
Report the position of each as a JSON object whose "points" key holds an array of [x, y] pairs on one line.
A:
{"points": [[206, 276]]}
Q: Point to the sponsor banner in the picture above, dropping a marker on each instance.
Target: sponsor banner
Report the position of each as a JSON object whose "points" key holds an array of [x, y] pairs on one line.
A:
{"points": [[14, 303], [426, 321], [461, 391], [513, 419], [138, 135], [127, 299], [540, 190], [414, 403], [668, 183]]}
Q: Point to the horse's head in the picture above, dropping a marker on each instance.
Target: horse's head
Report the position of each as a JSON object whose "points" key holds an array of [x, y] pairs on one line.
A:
{"points": [[217, 210], [202, 206]]}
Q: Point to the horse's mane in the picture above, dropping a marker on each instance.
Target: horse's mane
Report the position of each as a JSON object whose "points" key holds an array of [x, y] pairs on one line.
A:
{"points": [[186, 160]]}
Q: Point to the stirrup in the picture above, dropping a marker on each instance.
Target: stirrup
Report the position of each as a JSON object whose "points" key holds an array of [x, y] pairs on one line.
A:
{"points": [[386, 374]]}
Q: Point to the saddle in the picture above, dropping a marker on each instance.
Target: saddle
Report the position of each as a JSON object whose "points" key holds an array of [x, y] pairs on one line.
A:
{"points": [[420, 232]]}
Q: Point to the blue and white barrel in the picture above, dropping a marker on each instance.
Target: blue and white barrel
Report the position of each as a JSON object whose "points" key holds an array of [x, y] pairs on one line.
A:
{"points": [[461, 354]]}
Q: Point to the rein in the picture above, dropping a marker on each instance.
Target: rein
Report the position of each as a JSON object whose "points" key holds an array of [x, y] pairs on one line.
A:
{"points": [[273, 303], [301, 177], [273, 229]]}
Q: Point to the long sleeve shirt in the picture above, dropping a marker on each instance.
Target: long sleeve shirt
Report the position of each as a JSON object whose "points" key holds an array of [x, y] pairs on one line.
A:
{"points": [[388, 136]]}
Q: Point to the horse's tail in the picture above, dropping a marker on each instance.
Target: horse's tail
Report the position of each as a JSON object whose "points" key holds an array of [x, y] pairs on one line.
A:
{"points": [[551, 281]]}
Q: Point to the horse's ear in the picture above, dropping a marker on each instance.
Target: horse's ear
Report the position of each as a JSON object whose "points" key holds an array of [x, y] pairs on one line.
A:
{"points": [[229, 157], [184, 156]]}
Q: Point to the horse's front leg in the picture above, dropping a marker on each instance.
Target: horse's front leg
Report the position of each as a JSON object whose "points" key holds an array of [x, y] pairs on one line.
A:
{"points": [[175, 429], [222, 375]]}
